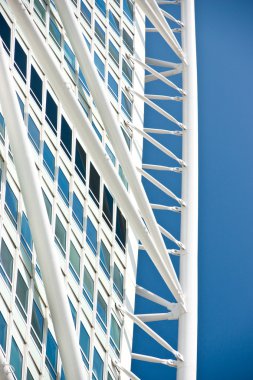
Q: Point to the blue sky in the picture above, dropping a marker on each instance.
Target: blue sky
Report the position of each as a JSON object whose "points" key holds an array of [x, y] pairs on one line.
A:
{"points": [[225, 81]]}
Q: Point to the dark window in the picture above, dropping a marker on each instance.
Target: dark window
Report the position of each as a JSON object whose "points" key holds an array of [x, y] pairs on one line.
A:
{"points": [[34, 134], [118, 281], [80, 161], [3, 331], [120, 229], [114, 22], [94, 184], [6, 264], [48, 206], [29, 375], [85, 12], [105, 259], [107, 207], [16, 359], [91, 236], [102, 312], [113, 86], [100, 65], [114, 53], [22, 296], [74, 262], [88, 287], [127, 71], [20, 60], [84, 344], [66, 137], [128, 41], [37, 325], [115, 335], [60, 235], [100, 33], [2, 128], [11, 204], [77, 211], [98, 366], [26, 236], [48, 160], [101, 6], [51, 355], [5, 33], [36, 86], [126, 105], [128, 8], [63, 186], [51, 112]]}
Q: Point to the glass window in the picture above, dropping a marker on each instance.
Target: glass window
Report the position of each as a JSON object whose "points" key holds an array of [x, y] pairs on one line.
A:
{"points": [[36, 86], [118, 281], [63, 186], [84, 344], [69, 57], [83, 82], [114, 22], [3, 329], [74, 261], [48, 160], [26, 236], [128, 8], [80, 161], [100, 65], [85, 12], [114, 53], [126, 105], [48, 206], [40, 9], [51, 355], [128, 41], [73, 311], [94, 189], [34, 134], [110, 154], [66, 137], [123, 177], [113, 86], [107, 207], [51, 112], [102, 312], [77, 211], [88, 287], [98, 366], [22, 295], [29, 375], [126, 137], [115, 335], [120, 229], [127, 72], [55, 32], [105, 259], [37, 325], [60, 234], [5, 33], [101, 6], [20, 60], [91, 236], [2, 128], [6, 264], [100, 33], [16, 359], [97, 131], [11, 204]]}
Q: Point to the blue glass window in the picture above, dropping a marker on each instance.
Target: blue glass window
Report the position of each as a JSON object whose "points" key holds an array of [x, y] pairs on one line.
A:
{"points": [[29, 375], [20, 60], [21, 106], [128, 41], [91, 236], [40, 9], [66, 137], [73, 311], [86, 13], [85, 345], [98, 366], [126, 105], [120, 229], [123, 177], [60, 235], [80, 161], [100, 65], [11, 204], [51, 355], [22, 296], [16, 359], [2, 128], [55, 32], [97, 131], [51, 112], [128, 9], [110, 154], [83, 82], [77, 211], [94, 189], [37, 325], [107, 207], [5, 33], [63, 186], [127, 72], [6, 264], [100, 33], [34, 134], [118, 281], [48, 206], [105, 259], [3, 329], [48, 160], [74, 262], [114, 22], [102, 312], [26, 236], [115, 335], [113, 86], [88, 287], [101, 6], [36, 86], [114, 53], [69, 57]]}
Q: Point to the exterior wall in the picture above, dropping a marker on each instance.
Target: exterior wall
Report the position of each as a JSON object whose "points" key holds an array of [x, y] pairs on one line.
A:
{"points": [[19, 323]]}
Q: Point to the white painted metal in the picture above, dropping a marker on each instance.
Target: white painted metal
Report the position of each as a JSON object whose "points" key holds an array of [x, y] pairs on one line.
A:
{"points": [[152, 359], [154, 297], [93, 147], [187, 340], [40, 226], [120, 368], [5, 368]]}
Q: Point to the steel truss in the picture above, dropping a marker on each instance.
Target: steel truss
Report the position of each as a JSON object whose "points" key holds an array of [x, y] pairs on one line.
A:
{"points": [[150, 233]]}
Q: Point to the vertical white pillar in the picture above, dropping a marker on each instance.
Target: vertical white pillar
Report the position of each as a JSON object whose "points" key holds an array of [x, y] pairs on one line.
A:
{"points": [[187, 341]]}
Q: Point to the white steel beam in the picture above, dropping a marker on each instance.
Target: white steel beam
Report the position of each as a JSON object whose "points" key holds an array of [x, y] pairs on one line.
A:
{"points": [[40, 226], [187, 340], [5, 368], [100, 96], [120, 368], [93, 146], [142, 292], [153, 359]]}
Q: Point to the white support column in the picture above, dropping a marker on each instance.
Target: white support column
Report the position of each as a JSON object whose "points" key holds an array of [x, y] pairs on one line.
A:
{"points": [[40, 226], [187, 341]]}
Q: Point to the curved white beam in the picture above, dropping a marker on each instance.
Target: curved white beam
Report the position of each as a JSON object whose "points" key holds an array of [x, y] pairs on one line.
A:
{"points": [[90, 141], [40, 226], [100, 96], [187, 341]]}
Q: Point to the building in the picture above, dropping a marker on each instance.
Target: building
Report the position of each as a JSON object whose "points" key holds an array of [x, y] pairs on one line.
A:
{"points": [[84, 176]]}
